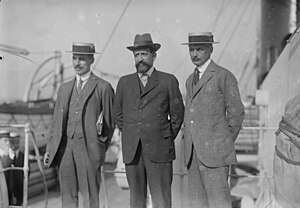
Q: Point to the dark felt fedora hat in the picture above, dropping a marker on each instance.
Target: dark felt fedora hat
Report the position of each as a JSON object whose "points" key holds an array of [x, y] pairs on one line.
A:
{"points": [[144, 41], [83, 48], [200, 38]]}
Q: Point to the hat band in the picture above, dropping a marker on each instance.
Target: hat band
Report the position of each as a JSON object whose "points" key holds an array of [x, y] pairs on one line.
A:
{"points": [[83, 49], [143, 43], [201, 38]]}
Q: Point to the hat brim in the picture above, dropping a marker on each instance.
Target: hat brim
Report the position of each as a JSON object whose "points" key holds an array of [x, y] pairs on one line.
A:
{"points": [[154, 46], [82, 52], [195, 43]]}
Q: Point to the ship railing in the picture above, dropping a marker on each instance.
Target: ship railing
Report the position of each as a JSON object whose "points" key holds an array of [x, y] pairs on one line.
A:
{"points": [[28, 134], [183, 172]]}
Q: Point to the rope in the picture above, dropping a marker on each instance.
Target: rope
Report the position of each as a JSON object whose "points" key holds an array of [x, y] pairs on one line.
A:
{"points": [[285, 125], [287, 128]]}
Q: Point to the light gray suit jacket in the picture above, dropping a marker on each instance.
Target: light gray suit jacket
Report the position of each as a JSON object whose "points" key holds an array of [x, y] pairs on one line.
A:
{"points": [[213, 117]]}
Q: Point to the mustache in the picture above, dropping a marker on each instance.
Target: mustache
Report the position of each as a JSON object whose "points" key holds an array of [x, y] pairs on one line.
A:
{"points": [[196, 59], [77, 67], [142, 63]]}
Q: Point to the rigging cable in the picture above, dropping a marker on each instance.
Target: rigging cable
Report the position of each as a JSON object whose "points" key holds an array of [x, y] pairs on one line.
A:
{"points": [[218, 16], [215, 23], [233, 31], [250, 61], [112, 33]]}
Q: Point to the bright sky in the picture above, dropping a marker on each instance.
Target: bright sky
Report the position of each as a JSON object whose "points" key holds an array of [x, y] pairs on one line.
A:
{"points": [[42, 27]]}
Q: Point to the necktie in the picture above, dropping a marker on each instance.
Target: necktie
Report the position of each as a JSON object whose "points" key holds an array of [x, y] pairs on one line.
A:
{"points": [[12, 154], [79, 85], [196, 76], [144, 79]]}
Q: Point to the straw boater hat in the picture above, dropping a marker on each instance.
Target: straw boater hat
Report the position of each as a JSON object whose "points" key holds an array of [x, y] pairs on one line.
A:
{"points": [[200, 38], [144, 41], [83, 48]]}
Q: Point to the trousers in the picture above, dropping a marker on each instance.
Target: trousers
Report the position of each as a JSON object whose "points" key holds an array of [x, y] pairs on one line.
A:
{"points": [[207, 187]]}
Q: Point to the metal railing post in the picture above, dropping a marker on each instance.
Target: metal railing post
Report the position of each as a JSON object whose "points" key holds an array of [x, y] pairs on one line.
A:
{"points": [[26, 165]]}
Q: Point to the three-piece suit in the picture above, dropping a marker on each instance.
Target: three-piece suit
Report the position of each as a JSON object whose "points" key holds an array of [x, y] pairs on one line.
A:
{"points": [[74, 143]]}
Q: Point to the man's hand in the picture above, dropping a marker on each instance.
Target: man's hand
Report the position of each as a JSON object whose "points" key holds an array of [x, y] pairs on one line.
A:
{"points": [[46, 158]]}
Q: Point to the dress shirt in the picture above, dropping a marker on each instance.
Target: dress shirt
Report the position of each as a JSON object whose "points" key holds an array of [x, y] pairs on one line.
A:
{"points": [[148, 73], [203, 67], [12, 154], [84, 78]]}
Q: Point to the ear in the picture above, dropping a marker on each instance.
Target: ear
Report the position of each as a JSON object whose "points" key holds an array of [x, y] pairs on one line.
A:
{"points": [[154, 55], [92, 59]]}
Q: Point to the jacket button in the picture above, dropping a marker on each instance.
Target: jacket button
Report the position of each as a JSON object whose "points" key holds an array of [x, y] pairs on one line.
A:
{"points": [[192, 121]]}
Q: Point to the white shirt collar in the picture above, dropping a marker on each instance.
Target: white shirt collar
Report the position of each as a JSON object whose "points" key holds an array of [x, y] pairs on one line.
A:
{"points": [[12, 154], [84, 77], [149, 72], [204, 66]]}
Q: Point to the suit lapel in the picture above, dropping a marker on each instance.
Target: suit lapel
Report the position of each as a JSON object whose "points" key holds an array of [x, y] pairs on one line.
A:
{"points": [[189, 85], [89, 87], [67, 95], [68, 88], [151, 83], [208, 73], [134, 83]]}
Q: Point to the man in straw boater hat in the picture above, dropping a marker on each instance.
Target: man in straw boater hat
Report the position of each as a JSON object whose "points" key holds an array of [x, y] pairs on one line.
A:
{"points": [[14, 158], [213, 117], [75, 143], [149, 111]]}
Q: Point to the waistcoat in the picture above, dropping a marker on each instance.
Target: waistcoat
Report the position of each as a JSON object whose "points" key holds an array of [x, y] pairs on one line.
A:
{"points": [[74, 123]]}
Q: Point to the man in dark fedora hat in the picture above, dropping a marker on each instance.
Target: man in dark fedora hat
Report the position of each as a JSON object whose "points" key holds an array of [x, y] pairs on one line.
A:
{"points": [[75, 143], [149, 111], [213, 117]]}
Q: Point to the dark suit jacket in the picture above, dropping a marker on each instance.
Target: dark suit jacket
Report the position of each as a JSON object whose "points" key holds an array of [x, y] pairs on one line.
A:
{"points": [[154, 116], [213, 117], [98, 97], [14, 178]]}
